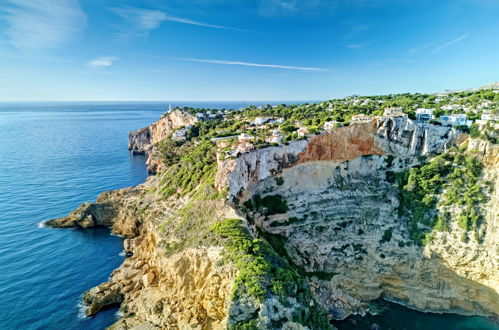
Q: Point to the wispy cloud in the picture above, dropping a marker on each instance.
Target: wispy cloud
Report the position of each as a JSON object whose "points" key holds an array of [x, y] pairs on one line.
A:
{"points": [[42, 23], [102, 62], [140, 22], [421, 48], [275, 66], [448, 43]]}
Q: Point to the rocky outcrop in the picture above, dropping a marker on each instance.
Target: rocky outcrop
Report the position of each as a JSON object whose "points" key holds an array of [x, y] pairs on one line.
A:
{"points": [[111, 209], [142, 140], [343, 223]]}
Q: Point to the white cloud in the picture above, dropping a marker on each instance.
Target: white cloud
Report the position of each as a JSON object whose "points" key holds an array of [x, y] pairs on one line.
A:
{"points": [[276, 66], [449, 43], [139, 22], [42, 23], [102, 62]]}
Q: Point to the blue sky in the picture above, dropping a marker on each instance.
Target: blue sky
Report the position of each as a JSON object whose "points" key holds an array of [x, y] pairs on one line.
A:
{"points": [[243, 49]]}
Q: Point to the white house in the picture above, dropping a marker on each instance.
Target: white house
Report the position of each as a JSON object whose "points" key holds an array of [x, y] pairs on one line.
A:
{"points": [[393, 112], [455, 120], [450, 107], [424, 115], [302, 131], [329, 125], [277, 121], [489, 115], [485, 104], [180, 134], [244, 137], [261, 120], [360, 118]]}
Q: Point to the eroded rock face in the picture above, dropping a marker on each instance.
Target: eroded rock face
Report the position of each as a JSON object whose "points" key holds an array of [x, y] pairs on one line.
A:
{"points": [[111, 209], [190, 289], [101, 296], [142, 140], [389, 136], [343, 223]]}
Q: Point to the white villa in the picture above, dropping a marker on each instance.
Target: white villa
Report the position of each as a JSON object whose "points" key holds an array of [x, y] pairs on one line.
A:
{"points": [[261, 120], [455, 120], [394, 112], [489, 115], [244, 137], [302, 131], [360, 118], [329, 125], [424, 115], [450, 107]]}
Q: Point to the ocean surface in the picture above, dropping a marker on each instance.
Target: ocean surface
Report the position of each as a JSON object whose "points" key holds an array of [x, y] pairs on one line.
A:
{"points": [[55, 156]]}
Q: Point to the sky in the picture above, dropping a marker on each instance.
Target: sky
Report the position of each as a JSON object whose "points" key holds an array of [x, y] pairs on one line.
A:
{"points": [[243, 50]]}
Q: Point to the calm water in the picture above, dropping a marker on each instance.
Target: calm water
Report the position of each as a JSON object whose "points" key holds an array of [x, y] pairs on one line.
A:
{"points": [[54, 157], [396, 317]]}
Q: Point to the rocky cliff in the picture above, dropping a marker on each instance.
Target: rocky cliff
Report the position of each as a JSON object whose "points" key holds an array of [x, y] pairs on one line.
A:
{"points": [[143, 140], [337, 226]]}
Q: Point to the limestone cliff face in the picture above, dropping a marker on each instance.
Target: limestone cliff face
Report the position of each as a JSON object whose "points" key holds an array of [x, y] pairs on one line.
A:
{"points": [[393, 136], [342, 207], [156, 288], [143, 140]]}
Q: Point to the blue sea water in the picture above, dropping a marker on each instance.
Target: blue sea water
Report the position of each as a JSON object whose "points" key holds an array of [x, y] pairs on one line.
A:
{"points": [[53, 157]]}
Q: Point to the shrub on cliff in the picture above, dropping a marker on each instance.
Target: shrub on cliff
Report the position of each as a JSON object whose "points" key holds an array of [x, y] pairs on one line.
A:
{"points": [[197, 163], [262, 272], [451, 179]]}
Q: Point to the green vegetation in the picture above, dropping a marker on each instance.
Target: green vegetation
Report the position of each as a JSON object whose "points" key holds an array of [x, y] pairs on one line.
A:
{"points": [[488, 133], [387, 236], [269, 205], [449, 180], [262, 272], [188, 166]]}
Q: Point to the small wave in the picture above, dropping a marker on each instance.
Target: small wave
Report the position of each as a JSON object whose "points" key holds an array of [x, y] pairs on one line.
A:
{"points": [[41, 224], [82, 308], [122, 253], [118, 314]]}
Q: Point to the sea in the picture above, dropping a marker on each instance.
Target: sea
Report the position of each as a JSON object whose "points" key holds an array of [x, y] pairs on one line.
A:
{"points": [[55, 156]]}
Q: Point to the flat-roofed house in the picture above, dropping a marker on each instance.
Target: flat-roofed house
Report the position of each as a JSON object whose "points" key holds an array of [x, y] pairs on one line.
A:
{"points": [[393, 112], [458, 119], [424, 115]]}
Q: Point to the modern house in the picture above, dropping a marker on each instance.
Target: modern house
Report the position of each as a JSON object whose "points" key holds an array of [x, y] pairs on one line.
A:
{"points": [[490, 116], [180, 134], [360, 118], [261, 120], [451, 107], [302, 131], [393, 112], [329, 125], [244, 137], [455, 120], [424, 115]]}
